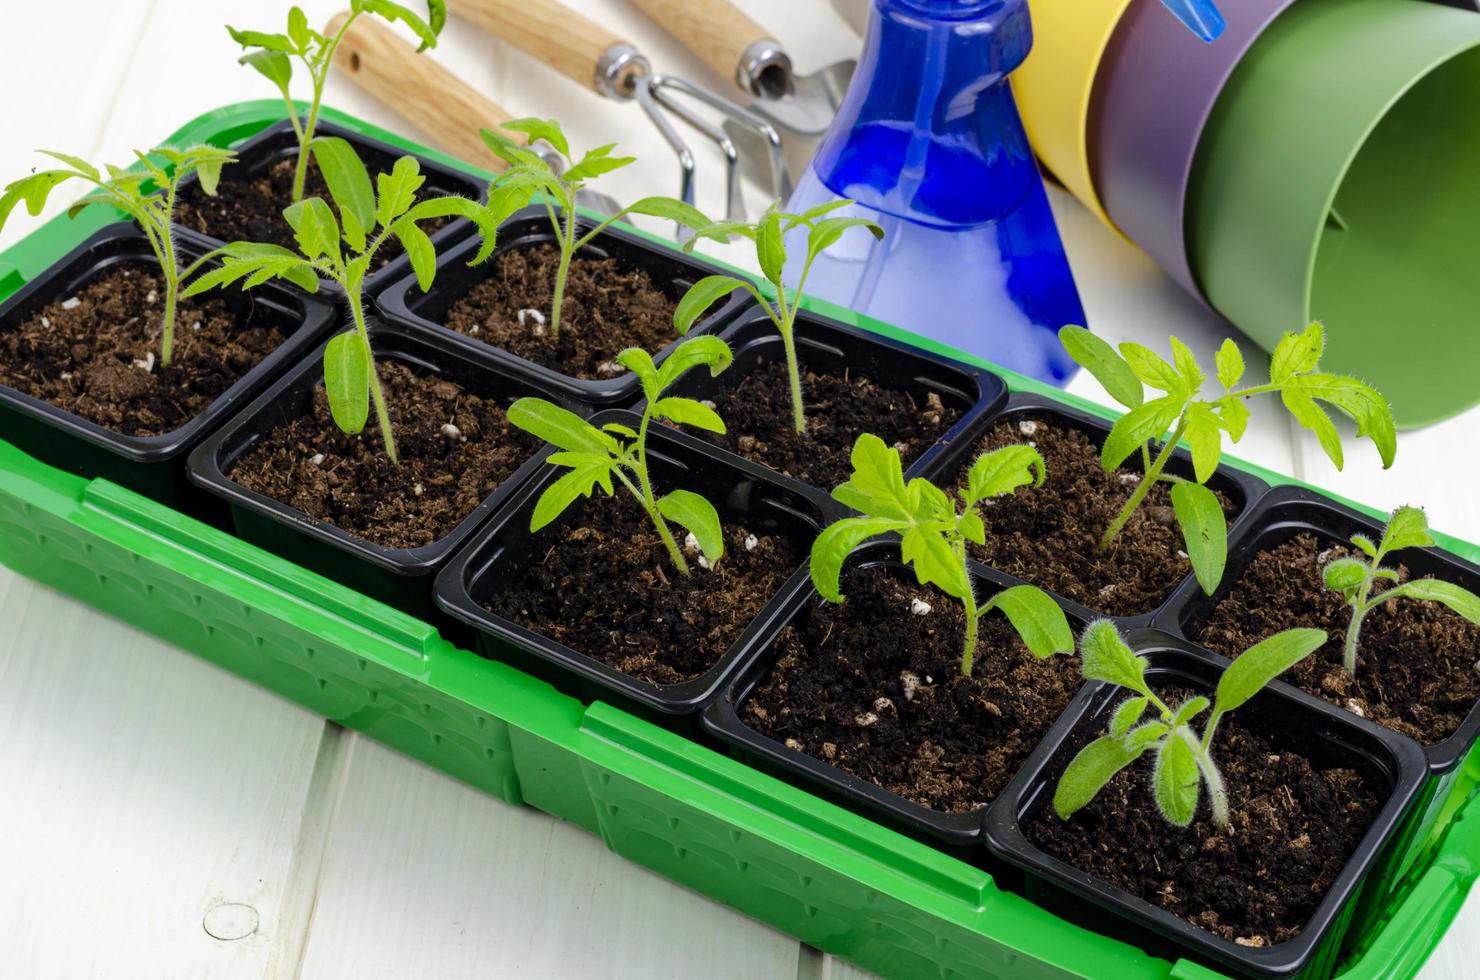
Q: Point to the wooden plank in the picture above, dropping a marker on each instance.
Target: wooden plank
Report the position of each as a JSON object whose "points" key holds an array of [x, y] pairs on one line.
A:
{"points": [[151, 797], [425, 876]]}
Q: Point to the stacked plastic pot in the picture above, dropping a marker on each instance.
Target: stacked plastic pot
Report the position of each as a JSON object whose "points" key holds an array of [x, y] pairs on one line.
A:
{"points": [[1315, 162]]}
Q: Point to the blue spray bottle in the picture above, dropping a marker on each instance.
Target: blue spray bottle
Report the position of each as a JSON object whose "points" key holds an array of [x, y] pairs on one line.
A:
{"points": [[929, 144]]}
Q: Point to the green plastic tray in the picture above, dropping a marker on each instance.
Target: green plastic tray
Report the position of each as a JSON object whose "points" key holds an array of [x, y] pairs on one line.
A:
{"points": [[829, 877]]}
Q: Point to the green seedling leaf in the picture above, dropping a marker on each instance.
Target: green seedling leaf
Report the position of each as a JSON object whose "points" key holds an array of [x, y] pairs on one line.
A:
{"points": [[1153, 370], [1138, 427], [1263, 662], [770, 253], [1457, 599], [709, 352], [397, 190], [1130, 711], [1186, 365], [315, 230], [1346, 575], [538, 129], [588, 471], [1204, 531], [560, 427], [347, 381], [1230, 363], [1108, 367], [698, 516], [420, 251], [1106, 657], [1098, 763], [1297, 354], [1176, 781], [1003, 471], [1189, 710], [426, 32], [1408, 527], [833, 546], [1037, 618], [704, 294], [349, 185], [686, 411]]}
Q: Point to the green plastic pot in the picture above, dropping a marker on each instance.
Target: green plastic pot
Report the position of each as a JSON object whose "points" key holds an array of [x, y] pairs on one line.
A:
{"points": [[1336, 181]]}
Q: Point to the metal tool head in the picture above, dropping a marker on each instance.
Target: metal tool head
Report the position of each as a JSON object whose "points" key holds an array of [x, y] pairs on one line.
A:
{"points": [[662, 95], [801, 104]]}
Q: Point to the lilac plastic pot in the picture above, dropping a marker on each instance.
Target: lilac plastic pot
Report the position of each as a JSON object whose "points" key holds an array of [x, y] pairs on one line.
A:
{"points": [[1155, 90]]}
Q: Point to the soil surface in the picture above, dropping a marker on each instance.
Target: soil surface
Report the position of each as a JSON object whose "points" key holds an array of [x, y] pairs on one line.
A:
{"points": [[1050, 535], [840, 408], [1294, 825], [607, 309], [1417, 669], [876, 690], [348, 481], [604, 586], [250, 209], [95, 353]]}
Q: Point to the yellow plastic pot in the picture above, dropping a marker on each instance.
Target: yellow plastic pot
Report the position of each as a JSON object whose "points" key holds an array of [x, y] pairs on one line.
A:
{"points": [[1055, 85]]}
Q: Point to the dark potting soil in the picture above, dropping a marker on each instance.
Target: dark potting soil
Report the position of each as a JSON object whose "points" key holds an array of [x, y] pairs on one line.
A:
{"points": [[605, 586], [877, 690], [1294, 825], [758, 416], [1050, 535], [348, 481], [250, 209], [1417, 668], [96, 353], [607, 309]]}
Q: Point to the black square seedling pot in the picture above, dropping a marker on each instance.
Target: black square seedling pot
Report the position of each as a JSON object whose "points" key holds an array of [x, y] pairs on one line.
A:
{"points": [[1308, 724], [739, 491], [401, 577], [154, 466], [826, 346], [672, 271], [260, 153], [961, 831], [1240, 487], [1286, 512]]}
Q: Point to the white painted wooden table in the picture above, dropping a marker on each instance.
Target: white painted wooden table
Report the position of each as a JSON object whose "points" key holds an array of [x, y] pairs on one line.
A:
{"points": [[163, 819]]}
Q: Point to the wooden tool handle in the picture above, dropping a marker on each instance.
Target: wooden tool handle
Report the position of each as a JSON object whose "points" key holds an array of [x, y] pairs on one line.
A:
{"points": [[429, 96], [563, 39], [715, 30]]}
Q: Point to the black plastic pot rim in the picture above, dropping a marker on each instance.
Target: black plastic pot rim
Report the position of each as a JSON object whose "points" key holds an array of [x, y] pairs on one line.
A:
{"points": [[452, 591], [454, 232], [1264, 519], [751, 324], [205, 471], [1006, 840], [529, 226], [722, 715], [1227, 477], [315, 317]]}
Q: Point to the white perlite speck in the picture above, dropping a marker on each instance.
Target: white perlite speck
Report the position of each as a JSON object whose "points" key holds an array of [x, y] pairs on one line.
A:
{"points": [[866, 719], [71, 303], [46, 321], [451, 431], [317, 459], [418, 490], [919, 607], [539, 321], [609, 369], [704, 563], [195, 325], [708, 404], [147, 364], [690, 543], [1028, 427], [910, 681], [153, 297], [66, 375], [751, 541], [1128, 478], [1355, 707]]}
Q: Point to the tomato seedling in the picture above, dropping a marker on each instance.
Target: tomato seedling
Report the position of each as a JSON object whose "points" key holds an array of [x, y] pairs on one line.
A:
{"points": [[933, 537], [1293, 373], [596, 457]]}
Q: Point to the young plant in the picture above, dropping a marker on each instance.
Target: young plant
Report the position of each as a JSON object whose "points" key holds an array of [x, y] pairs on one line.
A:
{"points": [[559, 180], [1354, 578], [768, 234], [145, 193], [1293, 373], [273, 54], [597, 456], [933, 536], [342, 249], [1184, 760]]}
